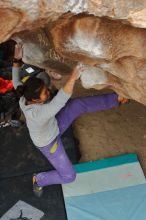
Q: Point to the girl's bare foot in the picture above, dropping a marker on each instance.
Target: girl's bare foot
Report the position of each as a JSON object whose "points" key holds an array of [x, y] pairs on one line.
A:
{"points": [[122, 100]]}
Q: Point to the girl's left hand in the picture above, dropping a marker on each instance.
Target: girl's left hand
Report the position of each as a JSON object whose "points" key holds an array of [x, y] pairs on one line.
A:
{"points": [[18, 53]]}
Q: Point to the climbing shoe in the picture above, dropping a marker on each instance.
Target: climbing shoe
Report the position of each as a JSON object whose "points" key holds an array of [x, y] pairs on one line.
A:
{"points": [[38, 190]]}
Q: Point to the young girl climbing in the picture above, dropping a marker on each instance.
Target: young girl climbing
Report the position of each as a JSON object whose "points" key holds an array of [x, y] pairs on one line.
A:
{"points": [[47, 119]]}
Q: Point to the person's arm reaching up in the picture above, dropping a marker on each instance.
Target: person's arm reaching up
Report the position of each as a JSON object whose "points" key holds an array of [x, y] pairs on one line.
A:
{"points": [[69, 86], [58, 102], [17, 65]]}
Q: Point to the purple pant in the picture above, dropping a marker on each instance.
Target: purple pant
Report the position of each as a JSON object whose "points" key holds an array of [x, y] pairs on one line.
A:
{"points": [[54, 152]]}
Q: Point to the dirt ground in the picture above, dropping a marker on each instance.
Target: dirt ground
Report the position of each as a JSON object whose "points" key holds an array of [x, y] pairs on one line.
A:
{"points": [[112, 132]]}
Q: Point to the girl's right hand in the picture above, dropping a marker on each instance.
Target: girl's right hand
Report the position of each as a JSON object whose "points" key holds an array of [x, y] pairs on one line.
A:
{"points": [[68, 88], [76, 73]]}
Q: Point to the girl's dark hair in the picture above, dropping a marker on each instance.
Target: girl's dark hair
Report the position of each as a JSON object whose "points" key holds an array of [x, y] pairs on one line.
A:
{"points": [[31, 89]]}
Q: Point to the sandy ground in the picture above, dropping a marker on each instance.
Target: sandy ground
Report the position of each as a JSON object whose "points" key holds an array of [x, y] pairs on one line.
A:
{"points": [[112, 132]]}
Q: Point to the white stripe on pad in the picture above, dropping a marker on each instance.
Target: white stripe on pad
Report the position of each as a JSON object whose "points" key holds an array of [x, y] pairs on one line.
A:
{"points": [[105, 179]]}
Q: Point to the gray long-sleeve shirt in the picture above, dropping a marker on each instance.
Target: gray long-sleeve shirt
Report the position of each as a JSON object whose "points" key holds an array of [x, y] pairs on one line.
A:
{"points": [[40, 118]]}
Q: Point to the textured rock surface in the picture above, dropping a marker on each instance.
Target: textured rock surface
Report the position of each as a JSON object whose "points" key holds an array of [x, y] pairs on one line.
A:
{"points": [[112, 51], [19, 15]]}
